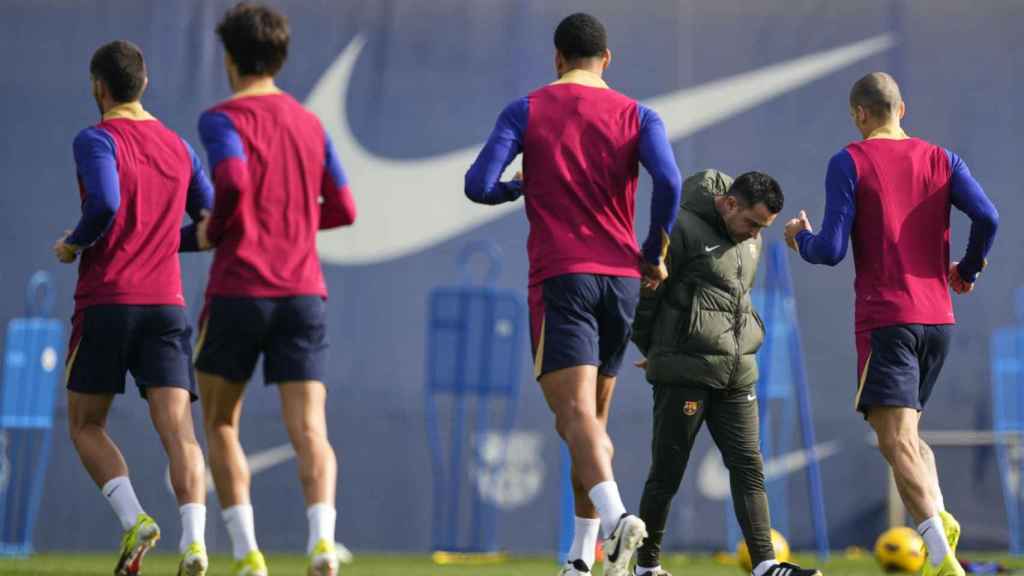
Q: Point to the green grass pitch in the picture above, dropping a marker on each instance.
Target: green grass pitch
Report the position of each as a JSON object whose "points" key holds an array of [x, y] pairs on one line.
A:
{"points": [[381, 565]]}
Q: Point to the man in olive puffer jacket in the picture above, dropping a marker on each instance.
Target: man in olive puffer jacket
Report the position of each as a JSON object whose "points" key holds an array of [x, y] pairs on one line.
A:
{"points": [[699, 334]]}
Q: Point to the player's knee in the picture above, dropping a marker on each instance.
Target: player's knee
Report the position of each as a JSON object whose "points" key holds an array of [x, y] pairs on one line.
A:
{"points": [[315, 464], [310, 442], [899, 445], [573, 419], [175, 435], [76, 432], [925, 451], [81, 430], [218, 422]]}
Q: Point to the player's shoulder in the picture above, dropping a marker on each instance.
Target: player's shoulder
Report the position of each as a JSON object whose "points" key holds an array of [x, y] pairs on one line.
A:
{"points": [[518, 108], [302, 112], [625, 99], [93, 138], [215, 122], [91, 134], [936, 155], [844, 154]]}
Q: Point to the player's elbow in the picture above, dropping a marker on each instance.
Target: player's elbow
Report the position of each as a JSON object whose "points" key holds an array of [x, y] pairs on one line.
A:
{"points": [[824, 258], [817, 252], [475, 187], [104, 212], [670, 184], [832, 259], [990, 220]]}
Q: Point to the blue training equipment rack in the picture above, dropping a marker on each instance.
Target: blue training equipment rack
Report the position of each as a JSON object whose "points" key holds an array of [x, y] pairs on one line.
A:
{"points": [[27, 395], [475, 338], [1008, 418]]}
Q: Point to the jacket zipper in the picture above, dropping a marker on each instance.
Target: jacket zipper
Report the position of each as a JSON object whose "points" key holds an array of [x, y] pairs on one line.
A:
{"points": [[737, 317]]}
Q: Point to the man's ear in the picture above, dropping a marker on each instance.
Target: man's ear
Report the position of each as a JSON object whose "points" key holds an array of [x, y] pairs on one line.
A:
{"points": [[731, 201]]}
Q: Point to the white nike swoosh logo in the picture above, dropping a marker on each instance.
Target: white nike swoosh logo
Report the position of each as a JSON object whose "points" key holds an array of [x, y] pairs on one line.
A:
{"points": [[711, 248], [259, 462], [408, 205], [713, 477], [751, 397]]}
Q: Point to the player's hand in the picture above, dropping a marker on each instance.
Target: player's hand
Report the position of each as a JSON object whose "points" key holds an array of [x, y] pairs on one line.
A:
{"points": [[958, 284], [202, 240], [641, 363], [517, 179], [65, 252], [794, 227], [653, 275]]}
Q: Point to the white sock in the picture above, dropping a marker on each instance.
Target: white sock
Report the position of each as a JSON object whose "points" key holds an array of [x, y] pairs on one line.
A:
{"points": [[193, 525], [934, 536], [764, 566], [321, 518], [606, 498], [241, 528], [121, 496], [584, 540], [641, 570]]}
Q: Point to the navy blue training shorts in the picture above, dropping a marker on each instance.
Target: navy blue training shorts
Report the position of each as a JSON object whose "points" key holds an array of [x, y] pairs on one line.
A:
{"points": [[898, 365], [582, 319], [290, 332], [109, 340]]}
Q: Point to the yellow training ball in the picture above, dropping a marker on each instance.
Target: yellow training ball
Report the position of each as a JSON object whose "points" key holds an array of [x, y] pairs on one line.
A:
{"points": [[900, 549], [778, 542]]}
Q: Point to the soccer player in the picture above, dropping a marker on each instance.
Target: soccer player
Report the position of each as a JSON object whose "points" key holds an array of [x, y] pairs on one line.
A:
{"points": [[697, 374], [136, 179], [278, 181], [581, 143], [891, 194]]}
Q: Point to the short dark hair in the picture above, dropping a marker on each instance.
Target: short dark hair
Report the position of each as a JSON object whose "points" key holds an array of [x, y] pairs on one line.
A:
{"points": [[256, 38], [121, 67], [878, 93], [581, 36], [753, 188]]}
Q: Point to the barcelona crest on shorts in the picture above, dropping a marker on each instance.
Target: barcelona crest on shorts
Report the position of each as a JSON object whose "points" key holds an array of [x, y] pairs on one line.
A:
{"points": [[690, 407]]}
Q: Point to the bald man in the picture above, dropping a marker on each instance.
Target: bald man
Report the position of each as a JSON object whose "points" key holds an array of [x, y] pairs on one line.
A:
{"points": [[891, 194]]}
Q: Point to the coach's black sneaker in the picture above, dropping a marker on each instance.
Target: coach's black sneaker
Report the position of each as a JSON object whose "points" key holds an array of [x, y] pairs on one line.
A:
{"points": [[655, 572], [628, 535], [787, 569], [575, 568]]}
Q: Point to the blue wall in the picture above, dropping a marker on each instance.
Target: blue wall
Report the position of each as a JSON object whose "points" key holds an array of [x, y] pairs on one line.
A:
{"points": [[426, 87]]}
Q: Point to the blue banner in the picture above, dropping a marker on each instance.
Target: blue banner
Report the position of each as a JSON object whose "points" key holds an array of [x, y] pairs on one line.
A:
{"points": [[408, 92]]}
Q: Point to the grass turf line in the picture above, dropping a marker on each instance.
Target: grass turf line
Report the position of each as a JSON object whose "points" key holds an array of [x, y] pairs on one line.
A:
{"points": [[397, 565]]}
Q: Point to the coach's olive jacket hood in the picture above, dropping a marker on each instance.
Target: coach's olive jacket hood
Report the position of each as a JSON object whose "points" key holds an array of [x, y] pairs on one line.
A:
{"points": [[699, 328]]}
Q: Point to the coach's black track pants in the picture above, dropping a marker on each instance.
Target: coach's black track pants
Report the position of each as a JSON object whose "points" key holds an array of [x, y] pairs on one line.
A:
{"points": [[732, 418]]}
